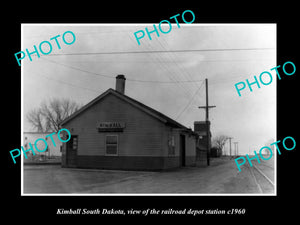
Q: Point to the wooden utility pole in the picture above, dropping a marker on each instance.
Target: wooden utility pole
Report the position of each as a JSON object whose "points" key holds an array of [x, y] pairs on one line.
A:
{"points": [[235, 148], [207, 107], [230, 145]]}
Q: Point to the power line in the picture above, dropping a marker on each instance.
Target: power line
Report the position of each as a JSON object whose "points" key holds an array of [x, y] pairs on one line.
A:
{"points": [[164, 51], [165, 82], [75, 68], [173, 57], [171, 73], [66, 83], [132, 80], [191, 100], [180, 61]]}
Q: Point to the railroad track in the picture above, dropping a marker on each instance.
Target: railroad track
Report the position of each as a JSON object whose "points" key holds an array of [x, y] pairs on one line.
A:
{"points": [[266, 165], [263, 182]]}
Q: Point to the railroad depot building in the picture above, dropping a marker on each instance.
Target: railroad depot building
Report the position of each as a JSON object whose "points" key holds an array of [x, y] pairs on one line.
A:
{"points": [[114, 131]]}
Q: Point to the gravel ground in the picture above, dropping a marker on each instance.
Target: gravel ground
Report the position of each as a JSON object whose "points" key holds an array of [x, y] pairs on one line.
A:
{"points": [[221, 177]]}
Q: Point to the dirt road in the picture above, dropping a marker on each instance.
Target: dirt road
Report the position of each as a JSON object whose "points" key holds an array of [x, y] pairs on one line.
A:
{"points": [[222, 177]]}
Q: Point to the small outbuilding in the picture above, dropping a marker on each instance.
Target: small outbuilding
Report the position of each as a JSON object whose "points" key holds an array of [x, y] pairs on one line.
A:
{"points": [[114, 131], [51, 151]]}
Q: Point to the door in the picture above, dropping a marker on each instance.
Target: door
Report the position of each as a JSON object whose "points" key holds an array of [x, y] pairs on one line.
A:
{"points": [[182, 150], [72, 146]]}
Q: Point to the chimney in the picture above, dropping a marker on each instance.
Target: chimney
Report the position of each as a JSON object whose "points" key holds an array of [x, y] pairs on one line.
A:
{"points": [[120, 84]]}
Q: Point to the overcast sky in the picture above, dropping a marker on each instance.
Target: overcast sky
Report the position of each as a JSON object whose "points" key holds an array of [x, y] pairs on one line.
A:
{"points": [[250, 119]]}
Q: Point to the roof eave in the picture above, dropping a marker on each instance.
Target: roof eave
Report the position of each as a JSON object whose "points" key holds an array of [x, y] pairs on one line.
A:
{"points": [[154, 113]]}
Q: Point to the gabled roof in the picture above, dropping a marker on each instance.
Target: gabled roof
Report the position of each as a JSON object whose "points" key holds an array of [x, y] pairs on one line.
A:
{"points": [[150, 111]]}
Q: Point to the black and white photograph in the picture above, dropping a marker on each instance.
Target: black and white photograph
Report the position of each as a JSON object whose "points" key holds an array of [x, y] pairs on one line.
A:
{"points": [[171, 108], [149, 111]]}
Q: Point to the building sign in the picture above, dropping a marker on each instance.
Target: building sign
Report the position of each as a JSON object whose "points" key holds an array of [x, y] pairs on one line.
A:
{"points": [[110, 126]]}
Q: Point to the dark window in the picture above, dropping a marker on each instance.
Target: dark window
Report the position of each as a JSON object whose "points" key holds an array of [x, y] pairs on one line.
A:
{"points": [[171, 145], [111, 144]]}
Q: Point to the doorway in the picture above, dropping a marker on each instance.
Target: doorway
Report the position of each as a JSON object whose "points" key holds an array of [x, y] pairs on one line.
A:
{"points": [[182, 150], [72, 146]]}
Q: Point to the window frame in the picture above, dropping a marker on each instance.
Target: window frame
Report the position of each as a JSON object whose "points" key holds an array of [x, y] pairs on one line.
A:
{"points": [[117, 144], [76, 138]]}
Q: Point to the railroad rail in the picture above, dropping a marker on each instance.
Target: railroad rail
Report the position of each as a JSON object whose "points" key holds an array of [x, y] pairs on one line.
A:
{"points": [[261, 185]]}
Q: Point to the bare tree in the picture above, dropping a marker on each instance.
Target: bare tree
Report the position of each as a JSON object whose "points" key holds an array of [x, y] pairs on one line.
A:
{"points": [[219, 141], [36, 119], [48, 116]]}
